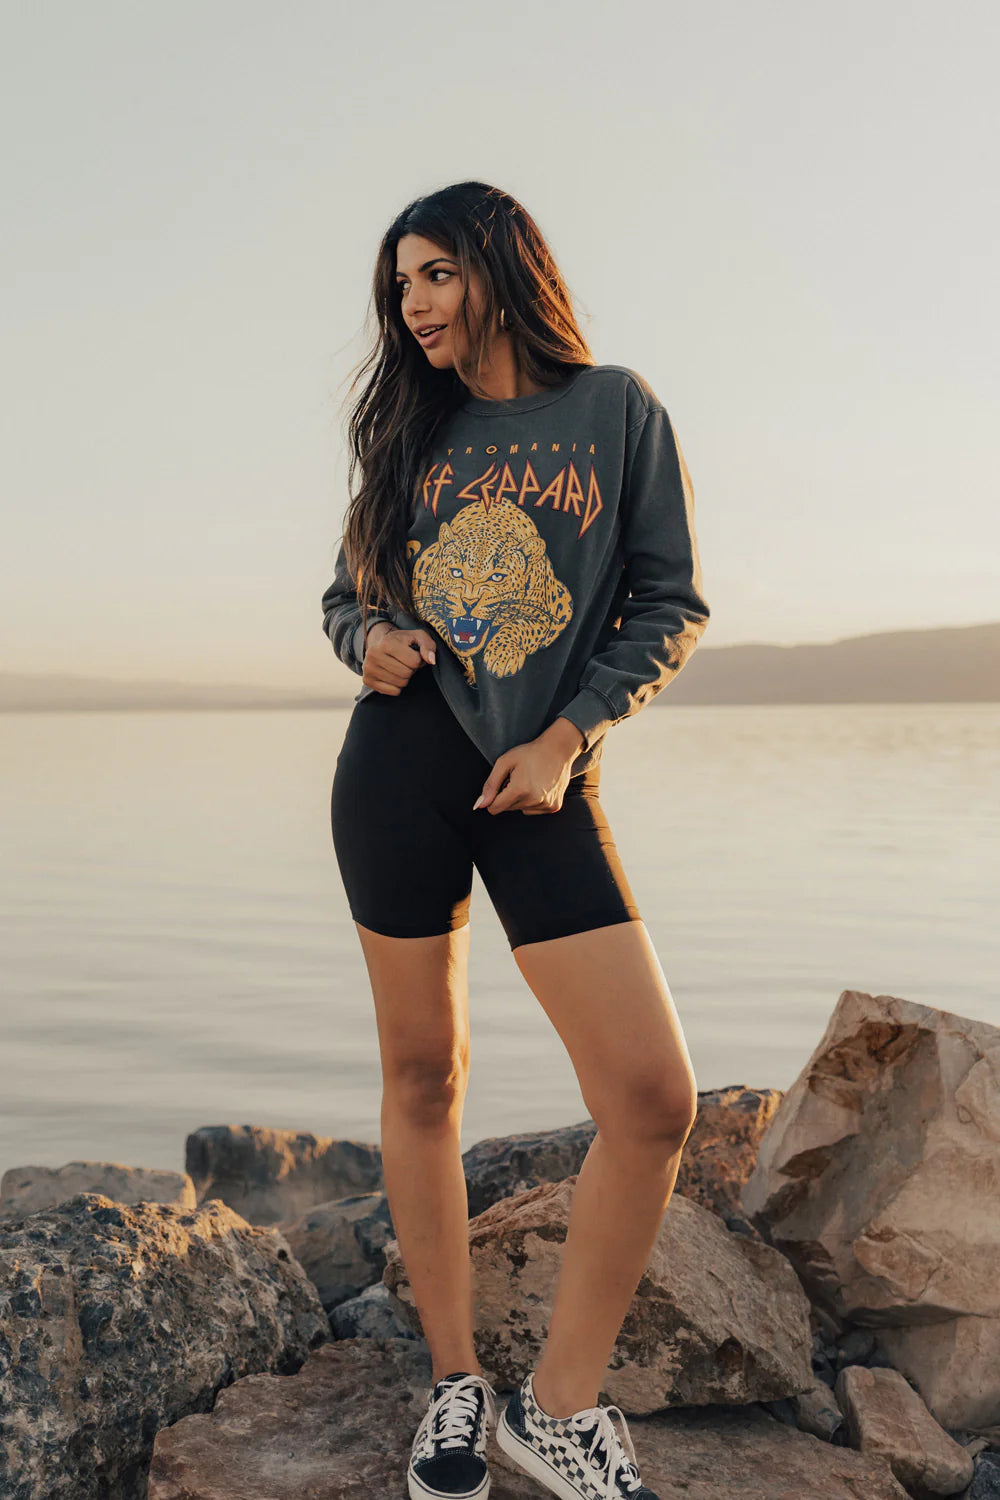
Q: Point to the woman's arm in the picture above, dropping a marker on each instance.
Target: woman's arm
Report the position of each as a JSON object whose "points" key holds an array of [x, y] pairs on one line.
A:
{"points": [[342, 617], [665, 614]]}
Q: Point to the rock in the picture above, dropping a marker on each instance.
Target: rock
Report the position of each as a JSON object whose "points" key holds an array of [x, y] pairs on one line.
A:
{"points": [[885, 1416], [817, 1411], [721, 1151], [879, 1178], [503, 1166], [986, 1481], [324, 1243], [341, 1429], [718, 1156], [274, 1176], [374, 1230], [375, 1314], [117, 1319], [25, 1189], [955, 1365], [715, 1317], [855, 1347]]}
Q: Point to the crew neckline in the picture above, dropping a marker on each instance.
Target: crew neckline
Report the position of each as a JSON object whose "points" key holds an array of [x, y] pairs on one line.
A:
{"points": [[481, 407]]}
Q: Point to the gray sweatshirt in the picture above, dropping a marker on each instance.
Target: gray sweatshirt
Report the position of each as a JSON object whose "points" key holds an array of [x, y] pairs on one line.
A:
{"points": [[553, 557]]}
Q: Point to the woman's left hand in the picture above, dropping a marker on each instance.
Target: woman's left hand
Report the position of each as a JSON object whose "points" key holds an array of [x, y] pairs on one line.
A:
{"points": [[538, 772]]}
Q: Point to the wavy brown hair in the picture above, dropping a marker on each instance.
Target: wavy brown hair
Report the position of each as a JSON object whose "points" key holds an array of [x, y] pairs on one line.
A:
{"points": [[405, 400]]}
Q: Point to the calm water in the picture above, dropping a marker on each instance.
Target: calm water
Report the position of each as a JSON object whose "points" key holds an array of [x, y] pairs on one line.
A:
{"points": [[178, 949]]}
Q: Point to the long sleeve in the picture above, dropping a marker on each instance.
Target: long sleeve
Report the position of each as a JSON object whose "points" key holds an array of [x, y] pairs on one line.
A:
{"points": [[665, 613], [342, 616]]}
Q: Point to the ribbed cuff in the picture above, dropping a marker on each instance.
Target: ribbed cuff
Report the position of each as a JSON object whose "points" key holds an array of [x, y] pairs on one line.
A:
{"points": [[592, 714]]}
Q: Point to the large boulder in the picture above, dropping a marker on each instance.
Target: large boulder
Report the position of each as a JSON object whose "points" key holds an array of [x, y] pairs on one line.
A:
{"points": [[24, 1190], [716, 1317], [718, 1156], [274, 1176], [885, 1416], [341, 1429], [879, 1178], [117, 1320]]}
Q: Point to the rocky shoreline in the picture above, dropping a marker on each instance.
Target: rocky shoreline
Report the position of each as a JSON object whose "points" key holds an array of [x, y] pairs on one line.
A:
{"points": [[820, 1315]]}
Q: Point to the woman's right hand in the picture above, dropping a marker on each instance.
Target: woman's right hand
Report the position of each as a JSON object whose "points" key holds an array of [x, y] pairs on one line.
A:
{"points": [[393, 655]]}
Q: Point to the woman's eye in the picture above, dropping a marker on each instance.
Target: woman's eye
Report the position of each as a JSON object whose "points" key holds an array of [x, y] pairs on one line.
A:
{"points": [[401, 285]]}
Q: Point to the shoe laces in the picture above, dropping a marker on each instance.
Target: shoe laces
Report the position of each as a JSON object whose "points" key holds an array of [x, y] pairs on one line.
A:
{"points": [[619, 1456], [450, 1419]]}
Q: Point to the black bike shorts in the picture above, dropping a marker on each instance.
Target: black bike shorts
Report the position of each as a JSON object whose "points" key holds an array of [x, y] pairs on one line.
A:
{"points": [[406, 837]]}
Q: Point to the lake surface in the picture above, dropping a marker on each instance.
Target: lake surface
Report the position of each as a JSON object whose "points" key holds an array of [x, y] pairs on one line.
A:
{"points": [[178, 951]]}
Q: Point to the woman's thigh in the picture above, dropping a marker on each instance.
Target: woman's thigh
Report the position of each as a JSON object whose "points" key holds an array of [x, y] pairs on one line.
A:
{"points": [[576, 932], [420, 987], [554, 874], [606, 994]]}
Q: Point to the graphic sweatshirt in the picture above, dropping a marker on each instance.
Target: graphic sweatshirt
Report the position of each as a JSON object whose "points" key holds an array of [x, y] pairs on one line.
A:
{"points": [[553, 555]]}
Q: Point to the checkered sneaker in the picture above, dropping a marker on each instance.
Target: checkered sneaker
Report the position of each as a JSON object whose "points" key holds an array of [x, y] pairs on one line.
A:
{"points": [[448, 1457], [581, 1457]]}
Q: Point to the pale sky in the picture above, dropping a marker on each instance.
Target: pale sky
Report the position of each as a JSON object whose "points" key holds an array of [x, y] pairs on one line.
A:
{"points": [[783, 215]]}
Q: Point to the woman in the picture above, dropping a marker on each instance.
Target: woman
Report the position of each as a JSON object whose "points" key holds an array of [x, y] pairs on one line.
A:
{"points": [[523, 574]]}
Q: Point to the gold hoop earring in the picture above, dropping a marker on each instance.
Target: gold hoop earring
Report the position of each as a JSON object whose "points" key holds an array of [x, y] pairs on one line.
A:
{"points": [[502, 321]]}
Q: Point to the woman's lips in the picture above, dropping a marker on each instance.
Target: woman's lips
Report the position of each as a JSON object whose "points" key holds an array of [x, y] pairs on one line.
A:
{"points": [[431, 338]]}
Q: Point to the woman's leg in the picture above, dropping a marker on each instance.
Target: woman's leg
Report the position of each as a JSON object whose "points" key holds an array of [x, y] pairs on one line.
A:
{"points": [[420, 988], [605, 993]]}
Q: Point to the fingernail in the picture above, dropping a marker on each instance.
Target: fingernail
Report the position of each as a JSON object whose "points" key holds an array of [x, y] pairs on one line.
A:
{"points": [[434, 657], [478, 803]]}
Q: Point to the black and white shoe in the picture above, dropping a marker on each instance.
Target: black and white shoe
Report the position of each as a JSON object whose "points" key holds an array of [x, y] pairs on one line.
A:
{"points": [[579, 1457], [448, 1459]]}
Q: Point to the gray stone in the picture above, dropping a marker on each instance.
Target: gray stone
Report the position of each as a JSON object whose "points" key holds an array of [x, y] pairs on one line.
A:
{"points": [[375, 1314], [115, 1320], [325, 1243], [818, 1412], [986, 1480]]}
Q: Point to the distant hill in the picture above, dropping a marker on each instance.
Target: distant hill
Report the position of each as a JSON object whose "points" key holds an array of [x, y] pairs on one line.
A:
{"points": [[952, 664]]}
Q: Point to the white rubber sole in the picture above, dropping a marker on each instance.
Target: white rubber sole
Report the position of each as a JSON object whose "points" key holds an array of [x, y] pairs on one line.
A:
{"points": [[527, 1459], [420, 1491]]}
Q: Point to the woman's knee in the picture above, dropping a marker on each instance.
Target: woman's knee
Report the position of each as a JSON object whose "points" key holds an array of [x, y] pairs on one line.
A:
{"points": [[649, 1105], [426, 1087]]}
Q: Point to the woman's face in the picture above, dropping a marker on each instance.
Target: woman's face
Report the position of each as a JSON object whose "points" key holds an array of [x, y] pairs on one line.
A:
{"points": [[429, 282]]}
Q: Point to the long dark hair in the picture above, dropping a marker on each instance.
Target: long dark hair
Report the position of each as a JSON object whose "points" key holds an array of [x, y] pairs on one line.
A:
{"points": [[405, 400]]}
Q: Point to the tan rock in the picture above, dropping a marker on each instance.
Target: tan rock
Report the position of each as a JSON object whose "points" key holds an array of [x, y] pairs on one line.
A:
{"points": [[115, 1320], [885, 1416], [25, 1189], [274, 1176], [716, 1316], [721, 1151], [341, 1429], [956, 1367], [879, 1178]]}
